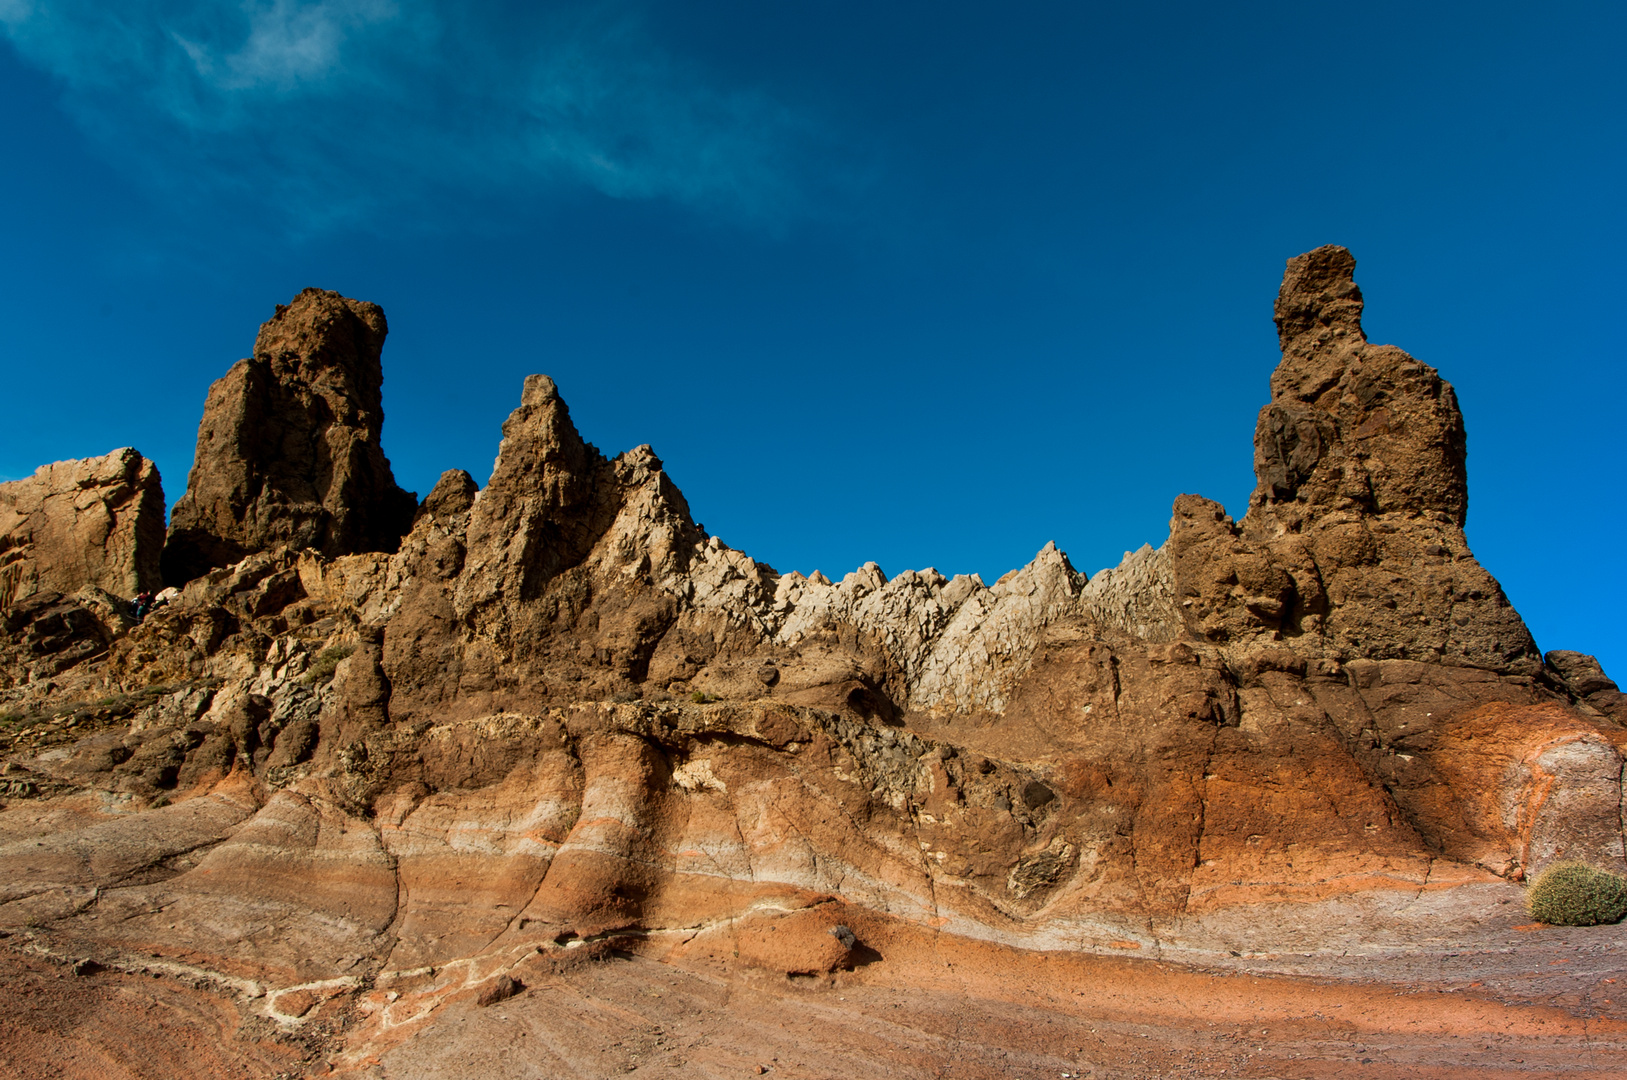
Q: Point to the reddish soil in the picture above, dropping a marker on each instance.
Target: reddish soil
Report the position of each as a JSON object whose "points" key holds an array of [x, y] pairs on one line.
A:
{"points": [[115, 1025], [1543, 1002], [985, 1012]]}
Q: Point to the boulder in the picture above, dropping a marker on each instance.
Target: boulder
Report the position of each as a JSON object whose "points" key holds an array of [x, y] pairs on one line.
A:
{"points": [[97, 521], [288, 448], [1587, 682]]}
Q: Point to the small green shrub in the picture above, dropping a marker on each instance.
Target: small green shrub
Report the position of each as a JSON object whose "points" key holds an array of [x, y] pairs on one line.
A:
{"points": [[326, 661], [1573, 893], [700, 697]]}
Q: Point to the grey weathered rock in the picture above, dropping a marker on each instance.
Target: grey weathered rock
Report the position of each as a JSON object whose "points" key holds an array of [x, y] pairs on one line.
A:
{"points": [[1136, 598]]}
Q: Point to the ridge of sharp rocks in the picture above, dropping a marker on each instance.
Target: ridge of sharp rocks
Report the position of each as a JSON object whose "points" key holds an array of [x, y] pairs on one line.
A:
{"points": [[288, 449], [555, 709]]}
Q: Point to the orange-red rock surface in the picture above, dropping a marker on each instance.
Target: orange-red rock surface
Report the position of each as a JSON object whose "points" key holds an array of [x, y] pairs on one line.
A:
{"points": [[345, 782]]}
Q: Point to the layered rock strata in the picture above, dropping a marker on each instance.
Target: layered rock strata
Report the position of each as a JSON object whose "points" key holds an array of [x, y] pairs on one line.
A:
{"points": [[288, 448], [561, 711]]}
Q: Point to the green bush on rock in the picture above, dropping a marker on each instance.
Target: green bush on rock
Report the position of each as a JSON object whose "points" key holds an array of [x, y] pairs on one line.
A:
{"points": [[326, 661], [1573, 893]]}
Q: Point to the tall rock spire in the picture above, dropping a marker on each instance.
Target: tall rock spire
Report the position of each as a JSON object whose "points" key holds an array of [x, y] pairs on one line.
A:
{"points": [[1351, 425], [288, 448], [536, 516], [1353, 546]]}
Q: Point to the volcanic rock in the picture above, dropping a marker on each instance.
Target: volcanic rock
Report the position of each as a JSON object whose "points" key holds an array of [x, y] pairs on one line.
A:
{"points": [[561, 546], [98, 521], [503, 988], [1353, 545], [559, 722], [1587, 682], [288, 449]]}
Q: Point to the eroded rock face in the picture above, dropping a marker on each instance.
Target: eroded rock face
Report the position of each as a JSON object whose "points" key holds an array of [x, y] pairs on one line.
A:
{"points": [[288, 449], [559, 712], [1589, 686], [1353, 545], [96, 522], [564, 544]]}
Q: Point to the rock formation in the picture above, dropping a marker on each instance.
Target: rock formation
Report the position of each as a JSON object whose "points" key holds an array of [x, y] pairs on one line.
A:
{"points": [[559, 714], [1353, 545], [78, 539], [99, 522], [288, 449]]}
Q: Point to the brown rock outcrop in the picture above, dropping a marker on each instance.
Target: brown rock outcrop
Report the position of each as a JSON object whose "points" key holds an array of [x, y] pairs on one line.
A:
{"points": [[561, 547], [560, 718], [1353, 545], [98, 521], [288, 449], [1589, 686]]}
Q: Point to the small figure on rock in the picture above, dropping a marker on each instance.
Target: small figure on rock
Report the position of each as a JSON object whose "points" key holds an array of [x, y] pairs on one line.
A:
{"points": [[141, 605]]}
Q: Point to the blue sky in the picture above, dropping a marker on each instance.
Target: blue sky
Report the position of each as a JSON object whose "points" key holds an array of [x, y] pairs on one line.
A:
{"points": [[929, 284]]}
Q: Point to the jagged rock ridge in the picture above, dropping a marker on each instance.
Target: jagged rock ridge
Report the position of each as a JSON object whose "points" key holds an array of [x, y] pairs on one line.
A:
{"points": [[558, 710]]}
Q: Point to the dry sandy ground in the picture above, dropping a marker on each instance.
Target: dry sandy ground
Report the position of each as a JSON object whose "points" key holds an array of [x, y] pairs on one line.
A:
{"points": [[1544, 1002], [54, 1024]]}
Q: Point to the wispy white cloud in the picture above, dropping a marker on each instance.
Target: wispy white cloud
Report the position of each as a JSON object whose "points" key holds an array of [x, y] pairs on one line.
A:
{"points": [[331, 109], [289, 44]]}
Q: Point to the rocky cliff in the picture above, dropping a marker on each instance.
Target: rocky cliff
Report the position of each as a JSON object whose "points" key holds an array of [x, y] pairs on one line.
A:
{"points": [[77, 539], [96, 522], [288, 448], [388, 770]]}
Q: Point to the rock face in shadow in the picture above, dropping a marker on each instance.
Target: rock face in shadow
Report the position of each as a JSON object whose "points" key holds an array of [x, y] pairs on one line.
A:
{"points": [[559, 714], [97, 522], [288, 449]]}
